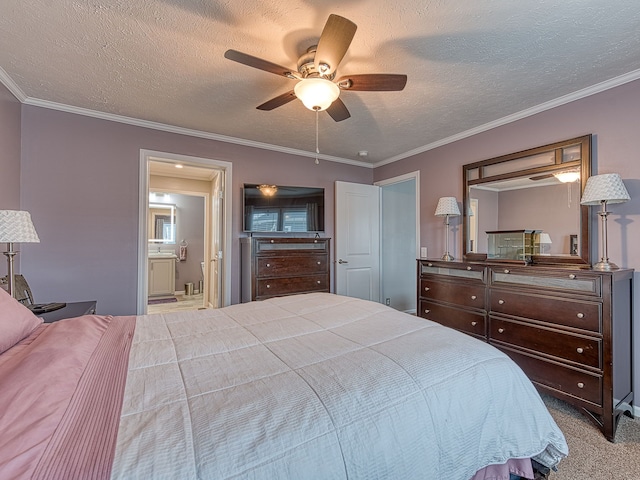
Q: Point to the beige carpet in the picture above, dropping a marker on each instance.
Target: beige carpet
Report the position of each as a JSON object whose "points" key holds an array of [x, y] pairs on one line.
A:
{"points": [[591, 456]]}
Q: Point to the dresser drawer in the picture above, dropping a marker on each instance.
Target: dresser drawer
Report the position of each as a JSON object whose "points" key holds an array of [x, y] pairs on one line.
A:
{"points": [[286, 266], [456, 293], [581, 384], [287, 285], [565, 281], [463, 320], [571, 313], [575, 348]]}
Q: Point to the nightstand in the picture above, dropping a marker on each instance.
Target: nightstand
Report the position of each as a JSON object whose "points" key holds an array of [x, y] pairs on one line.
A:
{"points": [[75, 309]]}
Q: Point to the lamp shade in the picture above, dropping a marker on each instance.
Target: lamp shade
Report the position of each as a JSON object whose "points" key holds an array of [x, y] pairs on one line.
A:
{"points": [[16, 227], [447, 206], [316, 93], [607, 187], [545, 238]]}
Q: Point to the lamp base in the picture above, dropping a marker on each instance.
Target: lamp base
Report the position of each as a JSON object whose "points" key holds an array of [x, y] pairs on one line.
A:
{"points": [[447, 258], [603, 266]]}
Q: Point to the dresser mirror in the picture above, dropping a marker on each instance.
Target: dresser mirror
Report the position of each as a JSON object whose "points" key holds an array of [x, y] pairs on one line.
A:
{"points": [[536, 191]]}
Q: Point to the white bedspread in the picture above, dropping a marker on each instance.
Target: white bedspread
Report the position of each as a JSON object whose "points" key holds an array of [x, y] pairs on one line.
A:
{"points": [[321, 386]]}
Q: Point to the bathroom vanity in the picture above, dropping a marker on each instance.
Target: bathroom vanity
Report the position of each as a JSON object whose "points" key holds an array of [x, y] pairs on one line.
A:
{"points": [[162, 274]]}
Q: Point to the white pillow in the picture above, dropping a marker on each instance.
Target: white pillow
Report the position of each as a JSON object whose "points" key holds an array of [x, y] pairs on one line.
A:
{"points": [[16, 321]]}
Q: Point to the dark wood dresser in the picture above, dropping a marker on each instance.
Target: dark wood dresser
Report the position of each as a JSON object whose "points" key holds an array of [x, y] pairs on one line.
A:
{"points": [[568, 328], [277, 266]]}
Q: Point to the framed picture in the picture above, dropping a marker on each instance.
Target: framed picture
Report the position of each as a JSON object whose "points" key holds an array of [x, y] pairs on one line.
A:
{"points": [[573, 244]]}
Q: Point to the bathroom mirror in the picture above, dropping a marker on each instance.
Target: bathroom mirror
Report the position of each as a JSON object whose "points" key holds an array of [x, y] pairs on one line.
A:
{"points": [[537, 189], [162, 223]]}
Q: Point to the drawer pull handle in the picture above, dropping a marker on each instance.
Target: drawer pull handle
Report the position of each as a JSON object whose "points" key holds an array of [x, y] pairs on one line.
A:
{"points": [[468, 268], [319, 263], [506, 270], [572, 276], [427, 311], [580, 385], [473, 297], [318, 282], [426, 289], [268, 264], [315, 241], [579, 350], [273, 241], [268, 286], [429, 264], [501, 330], [580, 315], [473, 324], [501, 302]]}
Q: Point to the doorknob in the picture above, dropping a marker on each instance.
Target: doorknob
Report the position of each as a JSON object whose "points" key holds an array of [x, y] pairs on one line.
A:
{"points": [[341, 261]]}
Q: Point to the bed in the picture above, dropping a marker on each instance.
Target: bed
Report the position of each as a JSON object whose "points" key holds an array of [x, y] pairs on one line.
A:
{"points": [[315, 386]]}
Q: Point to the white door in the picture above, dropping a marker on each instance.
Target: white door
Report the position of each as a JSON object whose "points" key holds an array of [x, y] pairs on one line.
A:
{"points": [[357, 242], [215, 259]]}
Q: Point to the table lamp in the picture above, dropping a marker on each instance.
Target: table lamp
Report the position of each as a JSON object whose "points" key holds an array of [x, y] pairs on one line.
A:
{"points": [[15, 227], [600, 190], [447, 207]]}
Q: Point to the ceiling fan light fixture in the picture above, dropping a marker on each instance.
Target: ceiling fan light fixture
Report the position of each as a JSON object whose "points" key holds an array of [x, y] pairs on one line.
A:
{"points": [[268, 190], [568, 177], [317, 93]]}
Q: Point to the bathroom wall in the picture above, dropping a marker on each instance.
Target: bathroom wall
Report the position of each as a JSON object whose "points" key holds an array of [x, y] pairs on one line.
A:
{"points": [[190, 228]]}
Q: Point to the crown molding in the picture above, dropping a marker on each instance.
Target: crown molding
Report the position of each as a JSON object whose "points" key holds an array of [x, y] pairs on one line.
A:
{"points": [[8, 82], [571, 97], [185, 131]]}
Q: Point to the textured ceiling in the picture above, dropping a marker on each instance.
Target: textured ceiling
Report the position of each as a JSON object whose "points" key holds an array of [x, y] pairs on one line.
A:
{"points": [[469, 63]]}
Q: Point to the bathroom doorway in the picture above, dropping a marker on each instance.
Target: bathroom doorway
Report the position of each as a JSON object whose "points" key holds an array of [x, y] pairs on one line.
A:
{"points": [[187, 178]]}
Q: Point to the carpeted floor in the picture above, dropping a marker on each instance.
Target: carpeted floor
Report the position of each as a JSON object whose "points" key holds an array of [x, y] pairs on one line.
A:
{"points": [[591, 456]]}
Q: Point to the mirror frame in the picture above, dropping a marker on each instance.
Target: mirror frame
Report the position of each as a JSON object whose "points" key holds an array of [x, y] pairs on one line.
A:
{"points": [[584, 240]]}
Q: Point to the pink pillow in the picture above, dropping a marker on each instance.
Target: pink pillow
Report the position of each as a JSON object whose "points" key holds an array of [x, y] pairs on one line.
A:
{"points": [[16, 321]]}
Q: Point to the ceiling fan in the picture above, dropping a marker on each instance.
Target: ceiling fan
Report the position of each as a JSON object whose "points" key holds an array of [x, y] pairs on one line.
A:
{"points": [[316, 72]]}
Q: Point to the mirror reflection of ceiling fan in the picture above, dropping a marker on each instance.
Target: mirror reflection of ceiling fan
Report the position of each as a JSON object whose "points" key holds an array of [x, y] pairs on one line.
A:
{"points": [[564, 176], [317, 87]]}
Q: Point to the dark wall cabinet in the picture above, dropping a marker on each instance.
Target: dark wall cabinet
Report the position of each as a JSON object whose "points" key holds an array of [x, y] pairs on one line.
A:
{"points": [[277, 266], [568, 328]]}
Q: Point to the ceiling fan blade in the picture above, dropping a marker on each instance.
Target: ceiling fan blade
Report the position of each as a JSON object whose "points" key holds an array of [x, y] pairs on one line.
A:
{"points": [[541, 177], [277, 101], [334, 43], [338, 110], [258, 63], [373, 82]]}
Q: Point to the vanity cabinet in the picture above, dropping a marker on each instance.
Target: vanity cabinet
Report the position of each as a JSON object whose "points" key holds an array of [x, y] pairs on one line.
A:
{"points": [[568, 328], [162, 276], [277, 266]]}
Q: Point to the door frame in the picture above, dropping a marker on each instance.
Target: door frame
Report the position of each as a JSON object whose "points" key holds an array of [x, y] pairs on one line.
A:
{"points": [[143, 207]]}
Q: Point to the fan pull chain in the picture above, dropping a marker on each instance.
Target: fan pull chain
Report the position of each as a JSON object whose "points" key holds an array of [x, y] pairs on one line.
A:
{"points": [[317, 148]]}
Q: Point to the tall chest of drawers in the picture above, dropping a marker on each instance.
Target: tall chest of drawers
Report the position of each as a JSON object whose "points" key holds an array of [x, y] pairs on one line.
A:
{"points": [[277, 266], [569, 329]]}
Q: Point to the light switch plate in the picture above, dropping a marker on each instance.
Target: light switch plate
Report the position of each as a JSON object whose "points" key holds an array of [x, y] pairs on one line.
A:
{"points": [[423, 252]]}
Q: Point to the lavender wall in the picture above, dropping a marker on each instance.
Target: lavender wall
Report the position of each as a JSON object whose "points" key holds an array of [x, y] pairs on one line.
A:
{"points": [[10, 119], [611, 117], [550, 208], [80, 182]]}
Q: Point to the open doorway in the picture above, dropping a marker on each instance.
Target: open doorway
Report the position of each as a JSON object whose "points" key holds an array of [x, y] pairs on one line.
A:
{"points": [[189, 179]]}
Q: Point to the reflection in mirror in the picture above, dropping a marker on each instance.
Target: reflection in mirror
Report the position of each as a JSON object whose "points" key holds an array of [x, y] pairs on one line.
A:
{"points": [[549, 206], [162, 223], [537, 190]]}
